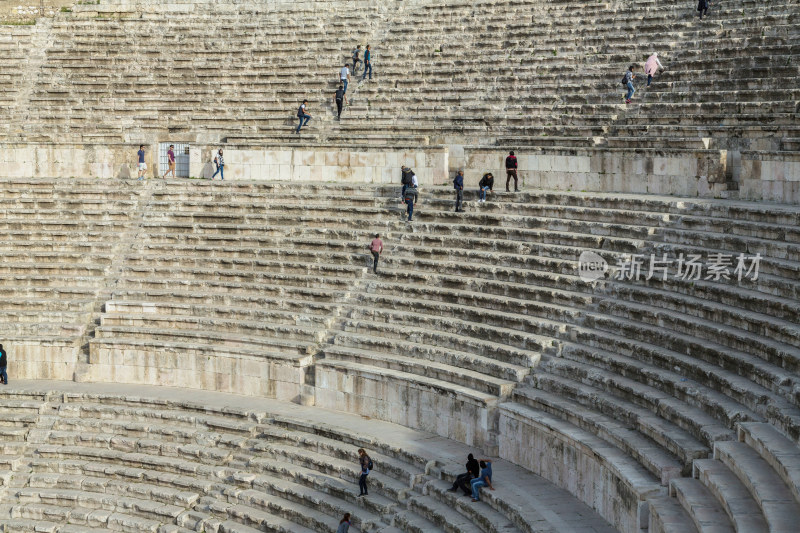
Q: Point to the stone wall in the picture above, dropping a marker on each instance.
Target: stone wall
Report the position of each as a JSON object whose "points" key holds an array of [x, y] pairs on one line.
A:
{"points": [[37, 359], [273, 163], [676, 172], [587, 472], [770, 176]]}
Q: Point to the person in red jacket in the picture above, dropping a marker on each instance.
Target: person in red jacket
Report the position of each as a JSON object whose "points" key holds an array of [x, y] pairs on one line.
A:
{"points": [[511, 171]]}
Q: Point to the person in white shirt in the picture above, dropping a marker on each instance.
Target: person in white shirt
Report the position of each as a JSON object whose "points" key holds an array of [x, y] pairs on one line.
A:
{"points": [[344, 76]]}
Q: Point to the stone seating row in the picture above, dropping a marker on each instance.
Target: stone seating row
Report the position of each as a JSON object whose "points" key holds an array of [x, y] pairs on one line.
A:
{"points": [[134, 466]]}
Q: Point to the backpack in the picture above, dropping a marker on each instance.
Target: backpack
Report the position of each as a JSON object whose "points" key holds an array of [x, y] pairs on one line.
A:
{"points": [[370, 465], [407, 178], [300, 112], [625, 79]]}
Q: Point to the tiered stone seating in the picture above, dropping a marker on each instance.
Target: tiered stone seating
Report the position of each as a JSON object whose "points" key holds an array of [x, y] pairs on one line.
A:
{"points": [[58, 243], [107, 462], [552, 80], [623, 392]]}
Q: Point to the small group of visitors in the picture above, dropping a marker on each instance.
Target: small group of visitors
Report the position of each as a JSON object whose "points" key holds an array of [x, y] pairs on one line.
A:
{"points": [[478, 475], [340, 96], [651, 67]]}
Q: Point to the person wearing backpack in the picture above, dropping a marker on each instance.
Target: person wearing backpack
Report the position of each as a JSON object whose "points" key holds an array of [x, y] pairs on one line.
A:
{"points": [[301, 114], [366, 468], [627, 80], [406, 179], [410, 198]]}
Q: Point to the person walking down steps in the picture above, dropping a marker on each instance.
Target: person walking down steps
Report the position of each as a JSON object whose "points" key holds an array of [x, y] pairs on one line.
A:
{"points": [[627, 81], [339, 99], [366, 467], [376, 247], [651, 66], [458, 185], [3, 365]]}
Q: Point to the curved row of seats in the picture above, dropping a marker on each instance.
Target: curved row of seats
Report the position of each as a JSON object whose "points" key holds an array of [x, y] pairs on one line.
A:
{"points": [[94, 461]]}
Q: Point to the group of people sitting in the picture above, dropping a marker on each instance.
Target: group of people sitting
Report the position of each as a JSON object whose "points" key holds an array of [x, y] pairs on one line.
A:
{"points": [[478, 474]]}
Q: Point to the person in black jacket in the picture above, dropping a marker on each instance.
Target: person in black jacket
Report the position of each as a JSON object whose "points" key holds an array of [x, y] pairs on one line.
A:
{"points": [[463, 480], [458, 185], [3, 364], [702, 8], [486, 184], [406, 179], [511, 171]]}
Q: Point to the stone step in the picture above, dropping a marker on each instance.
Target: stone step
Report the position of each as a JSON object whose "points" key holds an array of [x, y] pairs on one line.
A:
{"points": [[668, 516], [776, 449], [741, 508], [701, 506], [777, 503]]}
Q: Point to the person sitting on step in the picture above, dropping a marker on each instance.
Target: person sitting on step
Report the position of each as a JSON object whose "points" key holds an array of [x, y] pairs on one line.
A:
{"points": [[484, 480], [463, 480], [486, 184]]}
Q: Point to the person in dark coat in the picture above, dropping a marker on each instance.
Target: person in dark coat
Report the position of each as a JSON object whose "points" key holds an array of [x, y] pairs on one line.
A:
{"points": [[458, 185], [486, 184], [463, 480], [3, 364], [702, 8]]}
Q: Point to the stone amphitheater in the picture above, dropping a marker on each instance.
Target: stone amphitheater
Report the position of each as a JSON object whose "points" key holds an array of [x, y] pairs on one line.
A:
{"points": [[621, 338]]}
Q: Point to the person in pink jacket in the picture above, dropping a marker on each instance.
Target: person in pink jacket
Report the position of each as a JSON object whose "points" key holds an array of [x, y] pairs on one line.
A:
{"points": [[652, 66]]}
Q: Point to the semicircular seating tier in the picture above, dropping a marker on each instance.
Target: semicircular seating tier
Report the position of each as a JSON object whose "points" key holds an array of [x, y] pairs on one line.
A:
{"points": [[658, 398], [91, 458]]}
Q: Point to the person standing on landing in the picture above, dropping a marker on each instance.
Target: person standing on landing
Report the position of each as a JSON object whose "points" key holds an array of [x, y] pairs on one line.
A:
{"points": [[376, 247], [511, 171], [367, 63], [652, 66], [3, 365], [170, 161], [458, 185], [365, 462], [339, 99], [142, 164], [220, 166], [627, 81]]}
